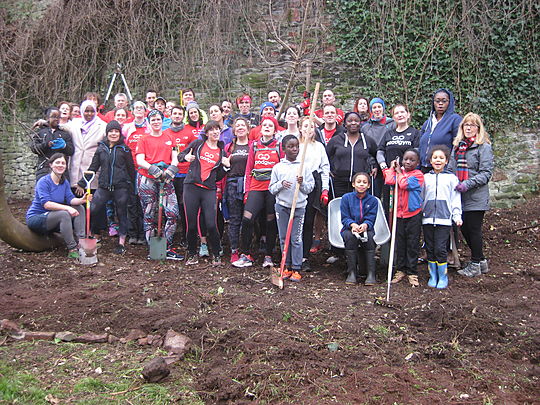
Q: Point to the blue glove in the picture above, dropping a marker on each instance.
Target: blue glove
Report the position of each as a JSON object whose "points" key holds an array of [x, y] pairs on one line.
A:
{"points": [[58, 143], [462, 188]]}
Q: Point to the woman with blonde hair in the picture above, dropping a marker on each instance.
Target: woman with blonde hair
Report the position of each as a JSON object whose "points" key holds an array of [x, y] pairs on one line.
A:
{"points": [[472, 162]]}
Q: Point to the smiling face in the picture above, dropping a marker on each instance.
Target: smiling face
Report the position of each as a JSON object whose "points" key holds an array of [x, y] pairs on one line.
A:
{"points": [[120, 115], [54, 118], [213, 134], [267, 129], [268, 112], [352, 124], [438, 161], [274, 98], [58, 166], [156, 122], [308, 129], [361, 183], [65, 111], [291, 149], [139, 111], [75, 112], [226, 106], [89, 113], [215, 113], [441, 102], [113, 136], [328, 97], [120, 101], [291, 117], [240, 129], [193, 114], [177, 116], [150, 99], [329, 115], [378, 110], [410, 161], [362, 106], [160, 105]]}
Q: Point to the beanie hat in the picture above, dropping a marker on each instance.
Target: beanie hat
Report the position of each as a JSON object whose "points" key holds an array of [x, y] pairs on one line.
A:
{"points": [[375, 101], [113, 125], [192, 104], [154, 112], [274, 121], [267, 104]]}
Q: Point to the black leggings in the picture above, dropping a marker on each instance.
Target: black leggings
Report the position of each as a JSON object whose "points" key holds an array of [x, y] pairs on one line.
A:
{"points": [[256, 202], [178, 183], [120, 196], [201, 200], [309, 222], [472, 232]]}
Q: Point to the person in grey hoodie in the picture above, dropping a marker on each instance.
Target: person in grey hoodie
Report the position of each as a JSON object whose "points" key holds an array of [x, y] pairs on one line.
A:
{"points": [[472, 162], [283, 185]]}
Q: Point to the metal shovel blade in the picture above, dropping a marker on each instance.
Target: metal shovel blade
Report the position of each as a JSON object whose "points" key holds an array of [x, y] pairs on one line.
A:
{"points": [[158, 248], [275, 277], [87, 259], [88, 251]]}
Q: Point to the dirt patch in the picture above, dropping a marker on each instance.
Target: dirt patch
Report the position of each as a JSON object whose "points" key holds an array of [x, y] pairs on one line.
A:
{"points": [[317, 341]]}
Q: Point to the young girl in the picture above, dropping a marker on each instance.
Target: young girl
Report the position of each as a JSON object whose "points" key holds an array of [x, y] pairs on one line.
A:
{"points": [[282, 186], [442, 204], [409, 213], [358, 214]]}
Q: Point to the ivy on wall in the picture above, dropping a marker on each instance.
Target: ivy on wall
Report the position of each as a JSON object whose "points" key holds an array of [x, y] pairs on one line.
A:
{"points": [[486, 52]]}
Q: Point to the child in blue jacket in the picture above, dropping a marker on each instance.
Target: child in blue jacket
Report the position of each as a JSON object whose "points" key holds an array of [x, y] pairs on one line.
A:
{"points": [[358, 214]]}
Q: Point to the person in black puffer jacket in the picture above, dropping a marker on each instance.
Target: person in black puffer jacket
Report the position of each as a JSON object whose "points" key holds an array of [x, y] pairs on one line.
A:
{"points": [[114, 160]]}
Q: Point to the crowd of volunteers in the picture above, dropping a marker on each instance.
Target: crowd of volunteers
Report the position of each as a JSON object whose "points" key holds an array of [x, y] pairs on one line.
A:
{"points": [[227, 177]]}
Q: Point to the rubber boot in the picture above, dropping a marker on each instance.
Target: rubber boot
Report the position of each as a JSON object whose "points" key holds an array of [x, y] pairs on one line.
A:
{"points": [[352, 260], [442, 269], [433, 277], [371, 268]]}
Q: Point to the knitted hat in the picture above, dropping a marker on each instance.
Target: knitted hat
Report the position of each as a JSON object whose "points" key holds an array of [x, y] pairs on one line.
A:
{"points": [[113, 125], [154, 112], [267, 104], [375, 101], [192, 104], [276, 125]]}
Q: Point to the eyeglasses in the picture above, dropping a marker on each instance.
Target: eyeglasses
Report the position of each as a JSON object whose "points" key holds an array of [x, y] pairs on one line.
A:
{"points": [[440, 100], [468, 124]]}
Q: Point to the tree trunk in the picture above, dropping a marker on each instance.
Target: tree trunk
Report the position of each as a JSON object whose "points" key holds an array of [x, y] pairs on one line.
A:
{"points": [[16, 234]]}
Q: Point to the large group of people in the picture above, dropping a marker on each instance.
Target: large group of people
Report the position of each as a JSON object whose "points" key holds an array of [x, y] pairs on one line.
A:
{"points": [[225, 175]]}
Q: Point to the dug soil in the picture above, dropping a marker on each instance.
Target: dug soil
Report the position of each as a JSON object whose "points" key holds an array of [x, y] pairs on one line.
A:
{"points": [[314, 342]]}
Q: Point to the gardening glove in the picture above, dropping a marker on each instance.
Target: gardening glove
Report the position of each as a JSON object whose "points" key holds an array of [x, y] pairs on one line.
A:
{"points": [[219, 194], [461, 187], [324, 197], [170, 172], [58, 143], [155, 171]]}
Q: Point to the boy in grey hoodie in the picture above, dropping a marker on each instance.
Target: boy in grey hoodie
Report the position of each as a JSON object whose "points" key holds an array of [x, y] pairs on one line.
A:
{"points": [[282, 185]]}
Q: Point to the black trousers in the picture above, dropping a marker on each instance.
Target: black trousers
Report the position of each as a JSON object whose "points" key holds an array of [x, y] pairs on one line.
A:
{"points": [[436, 238], [120, 196], [178, 183], [472, 232], [408, 243], [259, 201], [309, 223], [199, 200]]}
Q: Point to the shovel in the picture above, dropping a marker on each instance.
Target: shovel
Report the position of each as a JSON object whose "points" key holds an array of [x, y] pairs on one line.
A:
{"points": [[158, 244], [88, 250], [276, 275]]}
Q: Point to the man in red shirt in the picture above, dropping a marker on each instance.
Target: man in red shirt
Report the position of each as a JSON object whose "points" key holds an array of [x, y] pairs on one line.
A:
{"points": [[327, 99], [330, 127], [267, 110], [120, 101]]}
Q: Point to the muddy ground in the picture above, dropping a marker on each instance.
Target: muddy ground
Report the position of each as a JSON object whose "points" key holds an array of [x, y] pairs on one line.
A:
{"points": [[317, 341]]}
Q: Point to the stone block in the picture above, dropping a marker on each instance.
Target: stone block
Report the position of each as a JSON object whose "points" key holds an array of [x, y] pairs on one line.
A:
{"points": [[65, 336], [38, 335], [9, 326], [176, 343], [156, 370], [92, 338]]}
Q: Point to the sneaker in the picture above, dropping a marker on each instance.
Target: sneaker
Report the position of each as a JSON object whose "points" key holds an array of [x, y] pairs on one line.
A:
{"points": [[484, 268], [268, 262], [216, 261], [172, 255], [398, 277], [244, 261], [295, 276], [234, 256], [332, 259], [413, 280], [203, 250], [305, 266], [133, 240], [287, 273], [471, 270], [113, 231], [192, 260], [120, 249], [315, 246], [73, 254]]}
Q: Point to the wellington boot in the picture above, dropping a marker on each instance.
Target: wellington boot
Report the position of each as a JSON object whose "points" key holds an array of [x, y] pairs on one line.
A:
{"points": [[371, 268], [352, 260], [433, 276], [442, 270]]}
